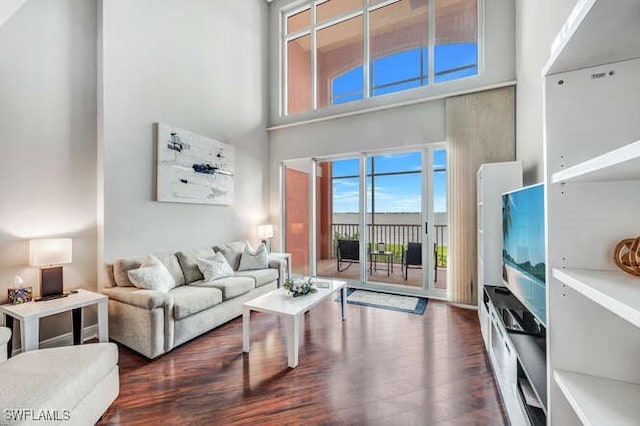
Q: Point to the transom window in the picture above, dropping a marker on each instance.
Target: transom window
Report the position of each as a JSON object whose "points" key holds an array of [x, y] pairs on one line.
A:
{"points": [[339, 51]]}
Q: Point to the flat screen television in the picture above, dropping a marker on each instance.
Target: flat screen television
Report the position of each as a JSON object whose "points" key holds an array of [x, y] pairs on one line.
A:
{"points": [[523, 248]]}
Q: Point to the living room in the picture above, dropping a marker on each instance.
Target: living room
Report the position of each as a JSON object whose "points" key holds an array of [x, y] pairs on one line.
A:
{"points": [[84, 85]]}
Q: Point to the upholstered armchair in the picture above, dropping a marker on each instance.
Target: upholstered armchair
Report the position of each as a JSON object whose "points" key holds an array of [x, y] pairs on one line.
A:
{"points": [[5, 338]]}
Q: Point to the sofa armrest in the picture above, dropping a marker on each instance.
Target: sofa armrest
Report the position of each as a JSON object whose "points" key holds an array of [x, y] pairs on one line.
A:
{"points": [[281, 265], [147, 299], [277, 263]]}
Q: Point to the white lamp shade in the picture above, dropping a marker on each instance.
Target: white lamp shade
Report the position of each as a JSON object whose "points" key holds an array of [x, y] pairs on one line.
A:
{"points": [[50, 251], [265, 231]]}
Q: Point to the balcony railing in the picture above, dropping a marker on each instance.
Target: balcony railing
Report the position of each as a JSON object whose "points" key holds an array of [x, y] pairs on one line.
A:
{"points": [[394, 236]]}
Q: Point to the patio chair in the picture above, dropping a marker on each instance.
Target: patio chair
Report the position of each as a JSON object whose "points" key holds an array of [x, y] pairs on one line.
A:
{"points": [[411, 258], [348, 252]]}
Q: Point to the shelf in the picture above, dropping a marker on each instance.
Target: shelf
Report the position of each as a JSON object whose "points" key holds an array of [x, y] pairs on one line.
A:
{"points": [[599, 401], [533, 359], [614, 290], [595, 33], [620, 164]]}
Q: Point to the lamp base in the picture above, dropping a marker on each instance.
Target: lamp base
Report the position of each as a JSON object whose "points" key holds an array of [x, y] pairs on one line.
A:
{"points": [[51, 281]]}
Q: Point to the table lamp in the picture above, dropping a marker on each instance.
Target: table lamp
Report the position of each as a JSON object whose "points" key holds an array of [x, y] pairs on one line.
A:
{"points": [[49, 254], [265, 233]]}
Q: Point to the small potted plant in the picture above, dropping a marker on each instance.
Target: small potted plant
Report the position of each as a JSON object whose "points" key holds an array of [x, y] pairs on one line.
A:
{"points": [[299, 287]]}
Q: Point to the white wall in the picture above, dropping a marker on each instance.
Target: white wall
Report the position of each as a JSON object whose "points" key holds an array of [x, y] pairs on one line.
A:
{"points": [[8, 8], [498, 56], [48, 122], [200, 65], [538, 23]]}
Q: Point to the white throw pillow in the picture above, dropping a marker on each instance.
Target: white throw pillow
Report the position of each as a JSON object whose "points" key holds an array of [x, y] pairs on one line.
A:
{"points": [[152, 275], [214, 268], [254, 259]]}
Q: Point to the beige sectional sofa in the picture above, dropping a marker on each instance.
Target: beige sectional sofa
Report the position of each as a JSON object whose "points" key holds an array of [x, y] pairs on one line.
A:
{"points": [[153, 322]]}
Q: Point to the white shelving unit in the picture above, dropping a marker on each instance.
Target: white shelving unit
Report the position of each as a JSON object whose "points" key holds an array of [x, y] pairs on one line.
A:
{"points": [[493, 179], [592, 145]]}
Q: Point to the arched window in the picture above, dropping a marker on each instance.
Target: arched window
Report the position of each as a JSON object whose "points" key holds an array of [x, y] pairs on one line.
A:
{"points": [[330, 59]]}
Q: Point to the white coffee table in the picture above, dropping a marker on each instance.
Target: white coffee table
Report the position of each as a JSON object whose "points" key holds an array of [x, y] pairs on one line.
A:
{"points": [[279, 302], [29, 315]]}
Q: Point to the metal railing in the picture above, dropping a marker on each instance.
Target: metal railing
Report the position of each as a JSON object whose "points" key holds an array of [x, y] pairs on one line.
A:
{"points": [[394, 236]]}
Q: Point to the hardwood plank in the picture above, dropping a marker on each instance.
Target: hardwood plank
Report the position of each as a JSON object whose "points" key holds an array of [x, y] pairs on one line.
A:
{"points": [[378, 367]]}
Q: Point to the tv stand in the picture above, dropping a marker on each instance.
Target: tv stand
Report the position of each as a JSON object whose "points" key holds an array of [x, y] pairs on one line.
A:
{"points": [[518, 355]]}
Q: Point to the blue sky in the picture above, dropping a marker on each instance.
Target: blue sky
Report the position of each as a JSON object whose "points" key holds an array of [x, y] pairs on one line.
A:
{"points": [[406, 70], [396, 193]]}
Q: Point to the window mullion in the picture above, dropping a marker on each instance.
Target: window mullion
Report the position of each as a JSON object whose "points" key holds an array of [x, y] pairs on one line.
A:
{"points": [[367, 72], [314, 59], [432, 41]]}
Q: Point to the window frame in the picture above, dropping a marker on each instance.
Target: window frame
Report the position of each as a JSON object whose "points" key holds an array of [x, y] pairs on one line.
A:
{"points": [[364, 10]]}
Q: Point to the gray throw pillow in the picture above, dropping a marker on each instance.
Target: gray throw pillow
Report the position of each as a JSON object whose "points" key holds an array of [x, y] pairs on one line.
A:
{"points": [[232, 252], [254, 259], [189, 263], [215, 267]]}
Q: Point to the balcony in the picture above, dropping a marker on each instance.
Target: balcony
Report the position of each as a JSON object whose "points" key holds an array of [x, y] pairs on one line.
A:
{"points": [[395, 238]]}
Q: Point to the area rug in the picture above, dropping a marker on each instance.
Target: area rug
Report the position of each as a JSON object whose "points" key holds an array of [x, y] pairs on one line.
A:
{"points": [[392, 302]]}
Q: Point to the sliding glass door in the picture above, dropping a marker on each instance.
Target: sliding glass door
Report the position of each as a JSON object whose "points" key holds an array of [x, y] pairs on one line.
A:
{"points": [[394, 220], [338, 218], [297, 189], [378, 220]]}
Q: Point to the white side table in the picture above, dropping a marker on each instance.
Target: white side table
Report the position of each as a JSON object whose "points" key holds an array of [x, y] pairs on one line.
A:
{"points": [[291, 309], [29, 315], [287, 258]]}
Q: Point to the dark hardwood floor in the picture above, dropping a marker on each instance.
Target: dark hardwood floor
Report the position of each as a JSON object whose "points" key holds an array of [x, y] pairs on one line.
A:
{"points": [[379, 367]]}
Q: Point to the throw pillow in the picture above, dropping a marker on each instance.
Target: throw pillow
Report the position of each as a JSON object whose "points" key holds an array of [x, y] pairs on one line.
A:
{"points": [[254, 259], [232, 252], [214, 268], [152, 275]]}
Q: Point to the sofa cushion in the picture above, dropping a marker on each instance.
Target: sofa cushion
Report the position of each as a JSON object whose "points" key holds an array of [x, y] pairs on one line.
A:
{"points": [[170, 261], [121, 268], [254, 259], [214, 268], [260, 276], [189, 262], [232, 252], [189, 300], [231, 287], [56, 378], [152, 275]]}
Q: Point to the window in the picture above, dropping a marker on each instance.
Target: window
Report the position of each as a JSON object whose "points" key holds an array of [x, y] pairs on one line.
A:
{"points": [[329, 59]]}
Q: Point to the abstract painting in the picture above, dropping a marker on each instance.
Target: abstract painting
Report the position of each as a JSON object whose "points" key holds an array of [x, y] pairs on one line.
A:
{"points": [[193, 168]]}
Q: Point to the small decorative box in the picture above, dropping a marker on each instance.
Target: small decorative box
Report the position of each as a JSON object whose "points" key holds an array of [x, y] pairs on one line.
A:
{"points": [[20, 295]]}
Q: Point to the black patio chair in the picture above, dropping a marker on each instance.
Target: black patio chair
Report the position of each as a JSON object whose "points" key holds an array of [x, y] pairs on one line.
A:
{"points": [[411, 258], [348, 251]]}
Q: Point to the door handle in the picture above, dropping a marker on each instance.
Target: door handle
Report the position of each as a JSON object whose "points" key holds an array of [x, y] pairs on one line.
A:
{"points": [[426, 228]]}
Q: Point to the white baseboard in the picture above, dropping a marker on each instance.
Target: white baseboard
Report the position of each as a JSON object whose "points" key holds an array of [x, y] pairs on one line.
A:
{"points": [[66, 339], [465, 306]]}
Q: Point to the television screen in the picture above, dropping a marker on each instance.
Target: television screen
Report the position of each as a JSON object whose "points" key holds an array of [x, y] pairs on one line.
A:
{"points": [[523, 247]]}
